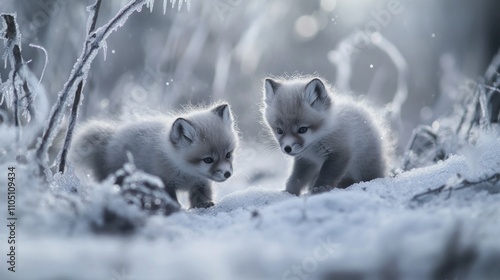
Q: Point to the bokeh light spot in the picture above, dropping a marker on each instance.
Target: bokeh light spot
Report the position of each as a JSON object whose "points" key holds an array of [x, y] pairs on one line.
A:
{"points": [[306, 26], [328, 5]]}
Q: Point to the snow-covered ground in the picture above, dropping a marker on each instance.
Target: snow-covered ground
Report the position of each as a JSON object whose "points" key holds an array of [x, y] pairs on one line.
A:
{"points": [[371, 230]]}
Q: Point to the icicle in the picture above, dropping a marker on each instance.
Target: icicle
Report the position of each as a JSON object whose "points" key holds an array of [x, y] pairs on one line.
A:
{"points": [[150, 4], [104, 49], [165, 4], [179, 6]]}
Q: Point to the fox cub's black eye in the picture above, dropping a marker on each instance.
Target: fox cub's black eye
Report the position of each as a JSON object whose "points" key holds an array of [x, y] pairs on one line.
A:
{"points": [[302, 130], [279, 130], [208, 160], [228, 155]]}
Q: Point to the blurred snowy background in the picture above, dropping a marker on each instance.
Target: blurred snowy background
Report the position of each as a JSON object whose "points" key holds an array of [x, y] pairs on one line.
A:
{"points": [[208, 50], [221, 49]]}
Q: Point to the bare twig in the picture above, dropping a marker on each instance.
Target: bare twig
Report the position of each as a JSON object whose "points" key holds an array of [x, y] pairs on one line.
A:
{"points": [[69, 131], [79, 73], [76, 101], [463, 184]]}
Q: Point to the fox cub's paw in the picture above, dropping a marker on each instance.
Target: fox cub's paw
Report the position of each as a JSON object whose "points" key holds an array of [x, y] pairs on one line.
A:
{"points": [[206, 204], [320, 189], [290, 192]]}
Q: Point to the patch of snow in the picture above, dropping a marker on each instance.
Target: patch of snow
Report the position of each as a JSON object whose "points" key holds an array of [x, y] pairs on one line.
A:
{"points": [[255, 232]]}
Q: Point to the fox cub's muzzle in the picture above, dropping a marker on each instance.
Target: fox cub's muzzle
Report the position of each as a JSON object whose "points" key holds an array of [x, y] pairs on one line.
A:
{"points": [[222, 171], [291, 145]]}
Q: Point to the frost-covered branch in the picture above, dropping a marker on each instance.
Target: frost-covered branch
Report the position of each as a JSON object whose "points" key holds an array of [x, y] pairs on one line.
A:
{"points": [[94, 10], [485, 106], [79, 73], [18, 79], [458, 185]]}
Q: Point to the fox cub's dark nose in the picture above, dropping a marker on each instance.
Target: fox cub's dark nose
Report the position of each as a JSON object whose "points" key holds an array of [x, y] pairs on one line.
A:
{"points": [[288, 149], [227, 174]]}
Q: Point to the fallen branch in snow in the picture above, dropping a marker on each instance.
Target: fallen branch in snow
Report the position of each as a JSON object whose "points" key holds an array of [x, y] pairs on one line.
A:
{"points": [[458, 185], [144, 190], [79, 74], [94, 9]]}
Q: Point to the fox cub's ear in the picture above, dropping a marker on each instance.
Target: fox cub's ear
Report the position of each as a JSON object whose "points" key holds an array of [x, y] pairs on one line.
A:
{"points": [[224, 112], [316, 95], [183, 132], [270, 88]]}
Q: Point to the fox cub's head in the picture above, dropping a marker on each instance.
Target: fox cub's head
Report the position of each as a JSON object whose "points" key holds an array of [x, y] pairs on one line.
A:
{"points": [[205, 141], [295, 111]]}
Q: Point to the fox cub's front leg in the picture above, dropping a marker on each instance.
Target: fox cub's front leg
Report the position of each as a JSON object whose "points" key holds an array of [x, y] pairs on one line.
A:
{"points": [[200, 196], [331, 173], [303, 174]]}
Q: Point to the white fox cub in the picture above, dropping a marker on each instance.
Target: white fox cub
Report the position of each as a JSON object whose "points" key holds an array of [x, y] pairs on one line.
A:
{"points": [[335, 142], [186, 152]]}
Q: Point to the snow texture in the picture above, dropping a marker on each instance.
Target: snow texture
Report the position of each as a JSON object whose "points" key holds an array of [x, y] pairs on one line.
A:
{"points": [[371, 230]]}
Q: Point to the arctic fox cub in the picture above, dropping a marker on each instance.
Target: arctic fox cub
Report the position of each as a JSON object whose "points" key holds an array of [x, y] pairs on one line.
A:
{"points": [[334, 140], [186, 152]]}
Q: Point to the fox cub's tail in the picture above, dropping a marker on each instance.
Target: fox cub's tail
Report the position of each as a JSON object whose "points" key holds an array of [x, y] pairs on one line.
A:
{"points": [[89, 147]]}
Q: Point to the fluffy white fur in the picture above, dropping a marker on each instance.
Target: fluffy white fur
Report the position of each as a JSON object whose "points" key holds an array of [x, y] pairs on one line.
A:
{"points": [[334, 140], [186, 152]]}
